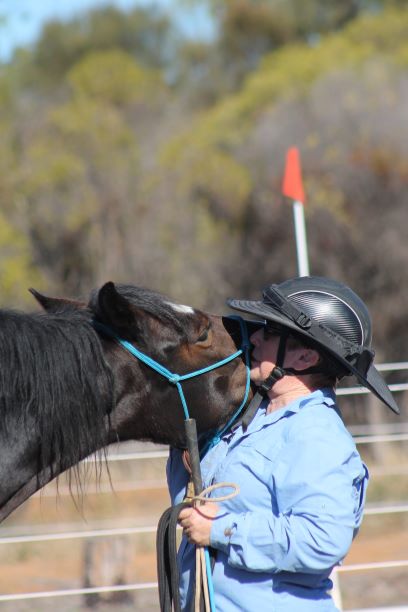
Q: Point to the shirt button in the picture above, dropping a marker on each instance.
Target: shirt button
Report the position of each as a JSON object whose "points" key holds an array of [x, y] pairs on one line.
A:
{"points": [[228, 532]]}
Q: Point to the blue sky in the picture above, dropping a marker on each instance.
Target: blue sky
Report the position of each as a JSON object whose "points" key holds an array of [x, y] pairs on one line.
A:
{"points": [[21, 20]]}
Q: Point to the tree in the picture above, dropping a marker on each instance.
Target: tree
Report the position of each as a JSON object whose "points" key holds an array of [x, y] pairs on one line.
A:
{"points": [[18, 269], [246, 30], [143, 33], [81, 173], [326, 100]]}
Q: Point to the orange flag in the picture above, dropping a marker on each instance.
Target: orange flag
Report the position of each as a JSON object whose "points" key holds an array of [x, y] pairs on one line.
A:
{"points": [[292, 181]]}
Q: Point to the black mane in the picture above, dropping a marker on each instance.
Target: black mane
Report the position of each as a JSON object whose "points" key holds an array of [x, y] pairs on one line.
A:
{"points": [[55, 382], [55, 386]]}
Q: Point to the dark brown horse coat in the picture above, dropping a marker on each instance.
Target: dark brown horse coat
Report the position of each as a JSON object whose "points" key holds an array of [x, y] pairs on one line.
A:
{"points": [[67, 391]]}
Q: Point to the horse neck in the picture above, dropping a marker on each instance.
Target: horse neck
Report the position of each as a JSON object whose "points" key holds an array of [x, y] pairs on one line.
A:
{"points": [[57, 390]]}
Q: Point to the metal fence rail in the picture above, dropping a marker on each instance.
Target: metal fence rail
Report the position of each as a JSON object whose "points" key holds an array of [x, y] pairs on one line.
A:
{"points": [[362, 436], [75, 535], [86, 591]]}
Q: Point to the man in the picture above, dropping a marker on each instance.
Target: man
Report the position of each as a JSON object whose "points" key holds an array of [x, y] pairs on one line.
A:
{"points": [[302, 482]]}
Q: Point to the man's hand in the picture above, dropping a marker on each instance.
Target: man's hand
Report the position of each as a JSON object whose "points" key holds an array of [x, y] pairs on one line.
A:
{"points": [[196, 523]]}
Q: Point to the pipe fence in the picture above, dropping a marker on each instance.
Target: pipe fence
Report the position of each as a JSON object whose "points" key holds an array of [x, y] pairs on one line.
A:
{"points": [[362, 435]]}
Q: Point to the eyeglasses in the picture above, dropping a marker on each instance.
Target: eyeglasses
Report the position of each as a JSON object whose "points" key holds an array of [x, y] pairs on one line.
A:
{"points": [[272, 330]]}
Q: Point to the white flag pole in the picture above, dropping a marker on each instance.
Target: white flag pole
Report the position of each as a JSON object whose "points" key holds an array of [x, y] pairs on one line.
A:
{"points": [[293, 188], [301, 241]]}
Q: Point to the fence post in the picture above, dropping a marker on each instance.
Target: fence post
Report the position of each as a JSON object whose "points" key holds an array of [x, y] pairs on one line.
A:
{"points": [[375, 418], [336, 594]]}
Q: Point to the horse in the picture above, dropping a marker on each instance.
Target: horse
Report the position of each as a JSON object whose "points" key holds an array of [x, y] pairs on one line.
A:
{"points": [[68, 389]]}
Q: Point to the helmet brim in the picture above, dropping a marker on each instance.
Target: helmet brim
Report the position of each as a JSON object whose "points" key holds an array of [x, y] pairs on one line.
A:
{"points": [[372, 380]]}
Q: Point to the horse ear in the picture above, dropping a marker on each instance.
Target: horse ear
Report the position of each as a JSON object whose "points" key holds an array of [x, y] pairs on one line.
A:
{"points": [[114, 308], [55, 305]]}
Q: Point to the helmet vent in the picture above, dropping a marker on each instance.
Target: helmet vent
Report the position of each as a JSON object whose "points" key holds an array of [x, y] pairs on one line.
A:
{"points": [[331, 311]]}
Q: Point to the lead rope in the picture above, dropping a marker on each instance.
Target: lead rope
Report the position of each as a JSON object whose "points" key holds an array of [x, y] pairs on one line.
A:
{"points": [[203, 577], [203, 563]]}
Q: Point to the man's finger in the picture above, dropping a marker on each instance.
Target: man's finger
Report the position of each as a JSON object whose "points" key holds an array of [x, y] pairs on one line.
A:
{"points": [[184, 514]]}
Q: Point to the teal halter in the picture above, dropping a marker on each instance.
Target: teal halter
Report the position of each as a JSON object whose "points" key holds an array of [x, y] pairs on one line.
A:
{"points": [[177, 379]]}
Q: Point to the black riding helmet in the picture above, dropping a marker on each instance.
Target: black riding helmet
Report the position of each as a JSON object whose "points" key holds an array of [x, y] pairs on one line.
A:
{"points": [[328, 316]]}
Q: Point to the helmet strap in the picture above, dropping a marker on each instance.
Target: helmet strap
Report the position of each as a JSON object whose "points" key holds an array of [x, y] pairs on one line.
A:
{"points": [[280, 358], [250, 412]]}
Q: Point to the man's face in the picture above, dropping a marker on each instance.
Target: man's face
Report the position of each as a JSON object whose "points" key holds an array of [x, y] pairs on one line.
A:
{"points": [[264, 353]]}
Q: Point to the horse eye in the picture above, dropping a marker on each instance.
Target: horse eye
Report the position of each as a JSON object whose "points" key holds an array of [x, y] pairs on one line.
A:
{"points": [[203, 336]]}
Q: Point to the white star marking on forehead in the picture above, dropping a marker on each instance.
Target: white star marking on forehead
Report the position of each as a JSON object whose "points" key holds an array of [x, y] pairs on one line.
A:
{"points": [[181, 308]]}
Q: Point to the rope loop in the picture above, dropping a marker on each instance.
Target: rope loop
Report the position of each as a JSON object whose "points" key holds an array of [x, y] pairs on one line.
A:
{"points": [[203, 496], [174, 379]]}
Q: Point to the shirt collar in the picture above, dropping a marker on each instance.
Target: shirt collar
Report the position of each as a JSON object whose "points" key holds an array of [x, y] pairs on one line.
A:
{"points": [[321, 396]]}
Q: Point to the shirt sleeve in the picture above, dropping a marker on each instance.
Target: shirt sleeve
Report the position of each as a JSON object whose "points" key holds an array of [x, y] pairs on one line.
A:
{"points": [[318, 485]]}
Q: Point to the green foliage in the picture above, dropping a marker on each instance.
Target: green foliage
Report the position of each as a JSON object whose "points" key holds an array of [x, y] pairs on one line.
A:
{"points": [[213, 178], [306, 16], [5, 93], [55, 187], [246, 30], [293, 69], [87, 138], [113, 77], [17, 268], [17, 271], [109, 173], [144, 33], [331, 99], [81, 168]]}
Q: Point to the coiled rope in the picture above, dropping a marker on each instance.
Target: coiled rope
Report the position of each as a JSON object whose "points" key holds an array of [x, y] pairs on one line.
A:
{"points": [[166, 548]]}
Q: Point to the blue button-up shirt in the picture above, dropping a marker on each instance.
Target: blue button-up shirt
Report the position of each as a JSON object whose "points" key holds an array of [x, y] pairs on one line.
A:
{"points": [[302, 489]]}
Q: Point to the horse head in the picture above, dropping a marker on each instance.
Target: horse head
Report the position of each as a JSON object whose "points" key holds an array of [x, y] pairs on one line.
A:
{"points": [[181, 338]]}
